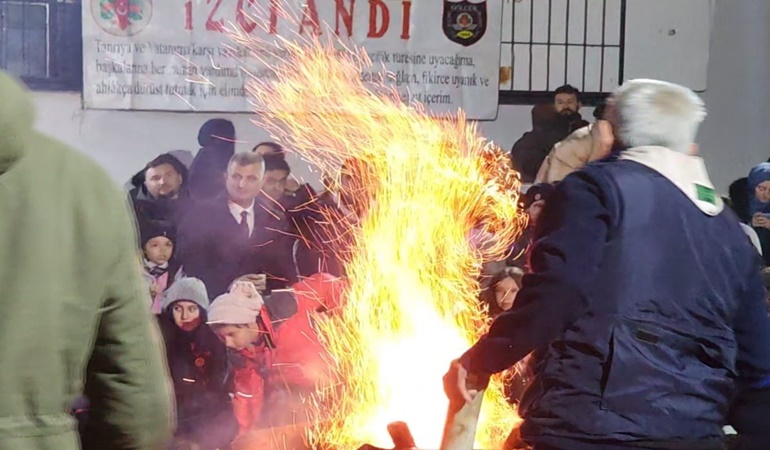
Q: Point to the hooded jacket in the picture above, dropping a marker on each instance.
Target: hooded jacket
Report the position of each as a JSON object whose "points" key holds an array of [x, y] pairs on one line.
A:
{"points": [[757, 176], [291, 357], [75, 316], [147, 208], [217, 140], [198, 363]]}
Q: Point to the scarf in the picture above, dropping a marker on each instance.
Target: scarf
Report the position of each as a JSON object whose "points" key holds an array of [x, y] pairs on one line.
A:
{"points": [[156, 270]]}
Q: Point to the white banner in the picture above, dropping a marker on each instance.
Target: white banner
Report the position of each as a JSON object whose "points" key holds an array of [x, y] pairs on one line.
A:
{"points": [[152, 54]]}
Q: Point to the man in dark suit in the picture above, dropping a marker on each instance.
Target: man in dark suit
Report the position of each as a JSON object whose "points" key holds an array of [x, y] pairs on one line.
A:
{"points": [[223, 239]]}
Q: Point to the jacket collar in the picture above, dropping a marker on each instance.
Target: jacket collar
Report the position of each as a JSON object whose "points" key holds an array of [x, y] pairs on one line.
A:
{"points": [[688, 173]]}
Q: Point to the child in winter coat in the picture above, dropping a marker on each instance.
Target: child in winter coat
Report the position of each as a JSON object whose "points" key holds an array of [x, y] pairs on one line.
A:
{"points": [[273, 348], [197, 361], [160, 267], [499, 298]]}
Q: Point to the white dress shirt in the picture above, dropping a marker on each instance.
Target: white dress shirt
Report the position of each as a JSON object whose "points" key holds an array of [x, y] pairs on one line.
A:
{"points": [[236, 210]]}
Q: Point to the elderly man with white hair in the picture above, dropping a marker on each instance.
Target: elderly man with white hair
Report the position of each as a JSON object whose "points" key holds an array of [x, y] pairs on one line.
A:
{"points": [[645, 305]]}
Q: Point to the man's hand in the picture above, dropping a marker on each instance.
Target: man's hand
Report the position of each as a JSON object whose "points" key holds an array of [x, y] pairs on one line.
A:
{"points": [[258, 280], [458, 385]]}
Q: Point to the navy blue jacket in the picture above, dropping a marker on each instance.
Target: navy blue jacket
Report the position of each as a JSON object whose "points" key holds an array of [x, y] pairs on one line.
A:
{"points": [[643, 310]]}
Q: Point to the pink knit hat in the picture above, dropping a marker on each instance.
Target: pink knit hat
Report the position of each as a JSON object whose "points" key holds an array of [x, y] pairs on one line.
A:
{"points": [[240, 306]]}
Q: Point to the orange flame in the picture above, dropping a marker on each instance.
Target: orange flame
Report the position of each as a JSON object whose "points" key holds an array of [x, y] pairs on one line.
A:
{"points": [[412, 306]]}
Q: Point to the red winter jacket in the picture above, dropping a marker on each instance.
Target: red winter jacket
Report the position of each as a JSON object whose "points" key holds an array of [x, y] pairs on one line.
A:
{"points": [[291, 357]]}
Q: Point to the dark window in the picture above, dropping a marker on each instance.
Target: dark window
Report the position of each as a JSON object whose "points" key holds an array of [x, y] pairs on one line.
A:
{"points": [[40, 42], [549, 43]]}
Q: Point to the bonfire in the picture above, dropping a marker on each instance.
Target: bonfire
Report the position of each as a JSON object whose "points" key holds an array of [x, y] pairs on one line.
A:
{"points": [[440, 201]]}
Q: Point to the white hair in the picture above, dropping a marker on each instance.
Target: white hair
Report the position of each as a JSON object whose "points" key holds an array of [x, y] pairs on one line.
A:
{"points": [[656, 113]]}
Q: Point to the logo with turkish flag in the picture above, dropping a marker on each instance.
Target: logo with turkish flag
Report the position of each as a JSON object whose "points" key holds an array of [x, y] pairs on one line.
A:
{"points": [[465, 21], [122, 17]]}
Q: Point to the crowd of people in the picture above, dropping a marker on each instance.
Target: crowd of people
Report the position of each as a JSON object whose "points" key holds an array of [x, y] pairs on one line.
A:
{"points": [[239, 260]]}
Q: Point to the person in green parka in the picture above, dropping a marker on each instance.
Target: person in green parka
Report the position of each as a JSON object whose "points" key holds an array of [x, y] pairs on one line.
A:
{"points": [[74, 315]]}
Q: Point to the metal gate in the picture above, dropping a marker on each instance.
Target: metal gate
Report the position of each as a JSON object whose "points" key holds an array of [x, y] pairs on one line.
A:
{"points": [[549, 43]]}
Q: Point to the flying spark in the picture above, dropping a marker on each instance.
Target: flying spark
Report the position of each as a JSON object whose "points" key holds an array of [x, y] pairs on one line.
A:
{"points": [[426, 186]]}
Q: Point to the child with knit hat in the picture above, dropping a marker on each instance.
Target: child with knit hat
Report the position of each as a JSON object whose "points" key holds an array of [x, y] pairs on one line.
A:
{"points": [[198, 364], [273, 348], [160, 266]]}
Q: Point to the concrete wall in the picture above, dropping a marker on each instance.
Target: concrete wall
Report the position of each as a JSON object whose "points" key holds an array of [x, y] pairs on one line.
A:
{"points": [[734, 137]]}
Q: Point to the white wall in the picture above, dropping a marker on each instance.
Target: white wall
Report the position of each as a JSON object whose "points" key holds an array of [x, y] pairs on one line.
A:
{"points": [[736, 134], [124, 141], [734, 137]]}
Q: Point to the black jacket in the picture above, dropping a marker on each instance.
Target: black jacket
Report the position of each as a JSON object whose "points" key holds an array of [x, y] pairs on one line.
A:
{"points": [[529, 152], [214, 251], [147, 208], [199, 370]]}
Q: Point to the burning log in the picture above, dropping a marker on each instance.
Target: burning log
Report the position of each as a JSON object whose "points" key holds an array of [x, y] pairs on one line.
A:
{"points": [[462, 418], [401, 436]]}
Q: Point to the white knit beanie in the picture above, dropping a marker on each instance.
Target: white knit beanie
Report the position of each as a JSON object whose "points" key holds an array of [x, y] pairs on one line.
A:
{"points": [[240, 306], [188, 289]]}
